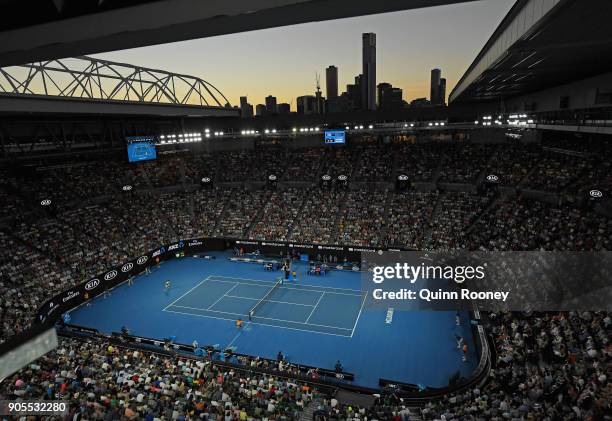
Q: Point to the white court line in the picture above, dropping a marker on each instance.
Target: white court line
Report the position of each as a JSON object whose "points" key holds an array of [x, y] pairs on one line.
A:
{"points": [[262, 324], [359, 315], [204, 280], [323, 289], [263, 280], [221, 297], [262, 317], [234, 340], [315, 307], [269, 301]]}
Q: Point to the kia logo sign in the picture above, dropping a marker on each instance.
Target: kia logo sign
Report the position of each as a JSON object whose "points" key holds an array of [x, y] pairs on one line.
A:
{"points": [[402, 177], [205, 179], [342, 177], [92, 284], [45, 202], [127, 187], [142, 260], [596, 193], [110, 275], [492, 178], [272, 177], [326, 177], [127, 267]]}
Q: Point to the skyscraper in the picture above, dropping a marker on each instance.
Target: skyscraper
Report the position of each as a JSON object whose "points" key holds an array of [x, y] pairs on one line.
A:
{"points": [[306, 104], [442, 93], [246, 109], [434, 93], [271, 104], [331, 82], [368, 86]]}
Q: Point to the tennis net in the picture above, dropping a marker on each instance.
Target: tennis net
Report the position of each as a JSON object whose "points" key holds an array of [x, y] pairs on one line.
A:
{"points": [[262, 301]]}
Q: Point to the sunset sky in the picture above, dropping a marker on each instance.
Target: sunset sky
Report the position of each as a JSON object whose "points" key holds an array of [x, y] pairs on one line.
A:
{"points": [[284, 61]]}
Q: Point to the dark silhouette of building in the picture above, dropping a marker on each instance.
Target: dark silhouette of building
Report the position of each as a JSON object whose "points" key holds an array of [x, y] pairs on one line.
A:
{"points": [[368, 86], [283, 108], [442, 92], [389, 98], [354, 92], [260, 110], [420, 102], [306, 104], [271, 104], [246, 109], [331, 82], [434, 93]]}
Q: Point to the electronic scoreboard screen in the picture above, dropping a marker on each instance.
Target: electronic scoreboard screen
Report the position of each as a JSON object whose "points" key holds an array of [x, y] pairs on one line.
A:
{"points": [[335, 137], [141, 148]]}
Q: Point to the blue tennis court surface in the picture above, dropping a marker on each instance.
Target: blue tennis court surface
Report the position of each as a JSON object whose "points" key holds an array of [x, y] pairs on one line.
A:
{"points": [[316, 320], [308, 308]]}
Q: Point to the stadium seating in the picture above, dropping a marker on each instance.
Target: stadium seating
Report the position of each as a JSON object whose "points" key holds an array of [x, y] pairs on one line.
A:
{"points": [[549, 366]]}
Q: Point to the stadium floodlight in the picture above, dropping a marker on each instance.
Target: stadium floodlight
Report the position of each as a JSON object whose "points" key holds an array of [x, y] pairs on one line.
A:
{"points": [[162, 137], [361, 127], [207, 134], [370, 127], [437, 124], [411, 124], [294, 129], [206, 130], [220, 133], [530, 121], [347, 128], [430, 124], [316, 129], [267, 131], [273, 131], [442, 123]]}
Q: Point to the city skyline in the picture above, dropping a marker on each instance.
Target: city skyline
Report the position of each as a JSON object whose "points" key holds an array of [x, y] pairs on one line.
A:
{"points": [[283, 61]]}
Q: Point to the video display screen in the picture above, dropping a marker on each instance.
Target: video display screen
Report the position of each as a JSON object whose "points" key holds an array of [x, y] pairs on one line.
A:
{"points": [[141, 149], [335, 137]]}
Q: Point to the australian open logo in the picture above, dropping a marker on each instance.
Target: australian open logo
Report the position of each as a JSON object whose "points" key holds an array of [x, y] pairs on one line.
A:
{"points": [[142, 260], [110, 275], [92, 284], [127, 267]]}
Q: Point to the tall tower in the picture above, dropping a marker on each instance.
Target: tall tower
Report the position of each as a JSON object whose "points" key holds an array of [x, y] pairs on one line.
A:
{"points": [[331, 82], [434, 93], [318, 97], [442, 93], [368, 86]]}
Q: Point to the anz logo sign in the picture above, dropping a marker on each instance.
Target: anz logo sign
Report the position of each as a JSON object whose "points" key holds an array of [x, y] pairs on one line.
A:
{"points": [[92, 284], [110, 275]]}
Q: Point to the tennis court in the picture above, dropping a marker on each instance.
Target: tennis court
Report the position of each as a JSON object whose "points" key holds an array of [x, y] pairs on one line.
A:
{"points": [[294, 306]]}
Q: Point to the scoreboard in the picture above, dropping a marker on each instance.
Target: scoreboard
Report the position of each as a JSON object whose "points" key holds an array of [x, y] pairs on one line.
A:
{"points": [[335, 137]]}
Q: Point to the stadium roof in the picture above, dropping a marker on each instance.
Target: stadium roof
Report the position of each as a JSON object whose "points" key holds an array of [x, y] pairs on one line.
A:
{"points": [[540, 44], [35, 30]]}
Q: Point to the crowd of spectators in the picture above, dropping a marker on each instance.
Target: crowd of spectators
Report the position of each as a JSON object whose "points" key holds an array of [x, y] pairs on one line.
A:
{"points": [[552, 366], [105, 382]]}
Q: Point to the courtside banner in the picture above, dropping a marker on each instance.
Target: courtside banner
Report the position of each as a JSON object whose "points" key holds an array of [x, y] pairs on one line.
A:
{"points": [[65, 301], [493, 281]]}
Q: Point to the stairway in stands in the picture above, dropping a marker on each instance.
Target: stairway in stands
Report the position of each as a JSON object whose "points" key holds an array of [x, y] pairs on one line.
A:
{"points": [[308, 413]]}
